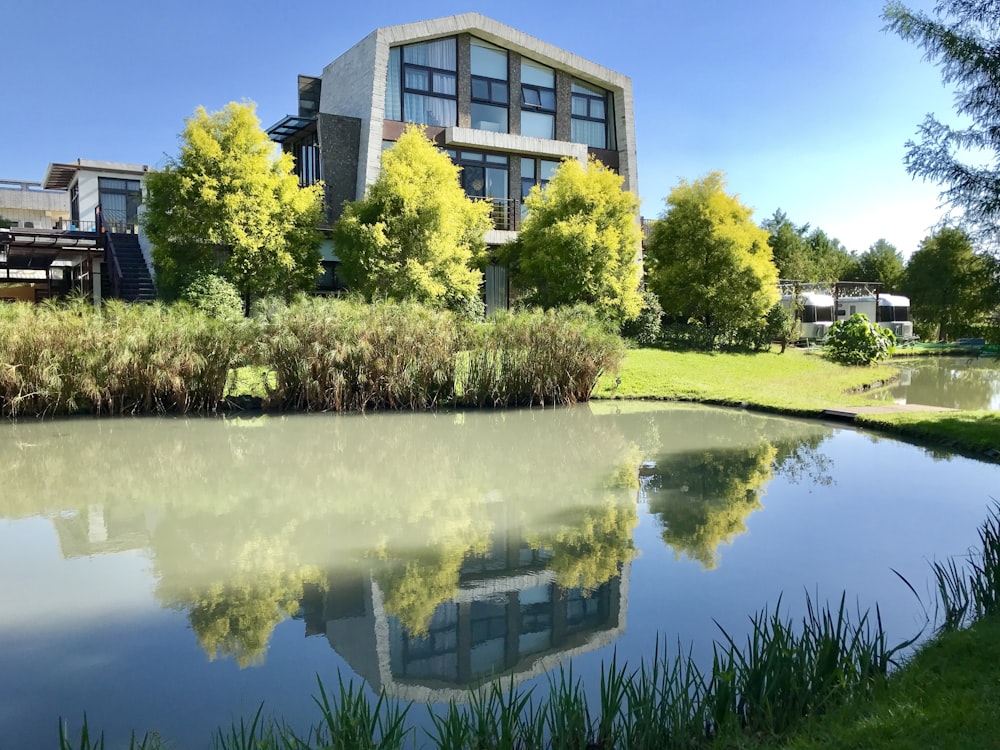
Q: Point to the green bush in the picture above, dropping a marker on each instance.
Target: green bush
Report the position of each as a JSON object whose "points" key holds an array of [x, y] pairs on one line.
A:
{"points": [[646, 330], [214, 296], [780, 326], [858, 341]]}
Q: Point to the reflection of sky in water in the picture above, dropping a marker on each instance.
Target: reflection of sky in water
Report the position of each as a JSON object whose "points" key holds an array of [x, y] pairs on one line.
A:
{"points": [[955, 382], [477, 527]]}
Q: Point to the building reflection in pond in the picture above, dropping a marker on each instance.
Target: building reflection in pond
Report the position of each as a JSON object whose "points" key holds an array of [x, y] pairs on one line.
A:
{"points": [[510, 618]]}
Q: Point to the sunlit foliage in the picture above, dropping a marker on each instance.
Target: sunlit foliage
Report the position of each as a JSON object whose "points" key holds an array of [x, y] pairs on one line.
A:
{"points": [[709, 263], [228, 204], [415, 235], [580, 243]]}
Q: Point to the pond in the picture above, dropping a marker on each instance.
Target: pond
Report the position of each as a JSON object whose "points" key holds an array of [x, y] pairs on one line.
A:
{"points": [[954, 382], [171, 575]]}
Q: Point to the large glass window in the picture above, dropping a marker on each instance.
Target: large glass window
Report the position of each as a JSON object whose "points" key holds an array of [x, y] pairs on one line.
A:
{"points": [[486, 176], [421, 83], [120, 200], [589, 116], [538, 100], [490, 95]]}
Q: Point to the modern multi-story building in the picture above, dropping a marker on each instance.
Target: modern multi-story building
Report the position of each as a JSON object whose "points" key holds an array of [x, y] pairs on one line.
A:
{"points": [[506, 107]]}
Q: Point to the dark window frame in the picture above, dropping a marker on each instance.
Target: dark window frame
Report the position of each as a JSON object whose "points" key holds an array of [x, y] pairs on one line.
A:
{"points": [[491, 83], [590, 99], [431, 91], [540, 107]]}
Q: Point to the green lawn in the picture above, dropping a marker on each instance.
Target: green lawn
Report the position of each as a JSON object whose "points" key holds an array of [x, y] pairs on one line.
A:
{"points": [[798, 381], [947, 696]]}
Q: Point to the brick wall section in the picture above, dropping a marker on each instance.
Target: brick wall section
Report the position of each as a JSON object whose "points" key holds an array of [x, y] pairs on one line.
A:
{"points": [[340, 144]]}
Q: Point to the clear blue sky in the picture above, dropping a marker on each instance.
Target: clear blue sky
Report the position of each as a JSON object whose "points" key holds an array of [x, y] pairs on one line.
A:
{"points": [[804, 105]]}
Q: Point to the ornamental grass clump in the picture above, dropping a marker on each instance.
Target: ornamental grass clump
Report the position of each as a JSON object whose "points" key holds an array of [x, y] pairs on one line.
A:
{"points": [[122, 359], [537, 358], [343, 355]]}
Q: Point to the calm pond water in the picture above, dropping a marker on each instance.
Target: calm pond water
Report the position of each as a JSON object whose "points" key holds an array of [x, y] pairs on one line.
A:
{"points": [[170, 575], [956, 382]]}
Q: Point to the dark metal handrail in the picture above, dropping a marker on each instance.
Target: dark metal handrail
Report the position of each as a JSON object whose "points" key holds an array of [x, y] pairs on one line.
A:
{"points": [[109, 245], [505, 213]]}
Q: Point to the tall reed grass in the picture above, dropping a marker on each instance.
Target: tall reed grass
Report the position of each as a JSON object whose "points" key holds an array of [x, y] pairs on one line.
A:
{"points": [[970, 591], [536, 357], [123, 359], [340, 355], [344, 355], [326, 355]]}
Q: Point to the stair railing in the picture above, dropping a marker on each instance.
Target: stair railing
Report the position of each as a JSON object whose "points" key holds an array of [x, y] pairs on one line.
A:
{"points": [[109, 246]]}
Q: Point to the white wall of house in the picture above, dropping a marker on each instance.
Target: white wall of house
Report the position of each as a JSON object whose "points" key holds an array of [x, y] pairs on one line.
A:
{"points": [[27, 202]]}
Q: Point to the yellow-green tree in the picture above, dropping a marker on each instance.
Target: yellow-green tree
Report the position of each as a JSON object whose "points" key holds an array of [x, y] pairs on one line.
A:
{"points": [[580, 243], [229, 204], [709, 263], [415, 234]]}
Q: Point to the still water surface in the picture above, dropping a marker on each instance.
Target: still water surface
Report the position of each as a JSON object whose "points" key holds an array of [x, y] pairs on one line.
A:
{"points": [[954, 382], [170, 575]]}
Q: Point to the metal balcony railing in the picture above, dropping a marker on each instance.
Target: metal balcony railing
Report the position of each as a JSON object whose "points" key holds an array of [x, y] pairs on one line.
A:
{"points": [[505, 213]]}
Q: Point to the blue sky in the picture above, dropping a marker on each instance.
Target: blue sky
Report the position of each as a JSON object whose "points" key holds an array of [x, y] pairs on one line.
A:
{"points": [[805, 106]]}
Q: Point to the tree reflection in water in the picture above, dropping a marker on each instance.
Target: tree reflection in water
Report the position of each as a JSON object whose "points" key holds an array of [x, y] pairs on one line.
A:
{"points": [[703, 498], [436, 518]]}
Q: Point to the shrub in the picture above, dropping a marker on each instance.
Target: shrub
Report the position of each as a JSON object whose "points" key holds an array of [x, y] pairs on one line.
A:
{"points": [[214, 296], [646, 330], [780, 326], [858, 341]]}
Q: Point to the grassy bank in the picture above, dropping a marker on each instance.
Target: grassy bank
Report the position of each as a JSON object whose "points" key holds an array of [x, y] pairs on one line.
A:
{"points": [[797, 382]]}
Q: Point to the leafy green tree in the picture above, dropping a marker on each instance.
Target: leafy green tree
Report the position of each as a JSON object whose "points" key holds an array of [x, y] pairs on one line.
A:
{"points": [[802, 253], [415, 234], [858, 341], [709, 263], [5, 223], [831, 261], [883, 263], [788, 247], [781, 326], [580, 243], [229, 205], [949, 284], [963, 37]]}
